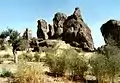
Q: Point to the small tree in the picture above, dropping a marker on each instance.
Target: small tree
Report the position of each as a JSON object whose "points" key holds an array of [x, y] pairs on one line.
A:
{"points": [[13, 36], [4, 34], [14, 39], [18, 42]]}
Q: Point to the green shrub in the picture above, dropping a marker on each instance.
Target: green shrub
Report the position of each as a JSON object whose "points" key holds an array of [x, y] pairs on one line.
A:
{"points": [[99, 66], [6, 73], [68, 60], [55, 63], [76, 64], [106, 65]]}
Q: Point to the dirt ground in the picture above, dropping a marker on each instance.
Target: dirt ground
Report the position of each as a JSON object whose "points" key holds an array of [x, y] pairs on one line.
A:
{"points": [[47, 79], [9, 65]]}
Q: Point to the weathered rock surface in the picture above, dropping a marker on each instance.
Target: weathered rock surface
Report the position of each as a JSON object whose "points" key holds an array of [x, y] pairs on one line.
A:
{"points": [[58, 21], [111, 32], [71, 29], [77, 32], [51, 31], [34, 44], [27, 34], [42, 29], [54, 43]]}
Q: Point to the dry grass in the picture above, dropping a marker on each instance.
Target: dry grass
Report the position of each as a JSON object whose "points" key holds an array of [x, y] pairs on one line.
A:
{"points": [[32, 73], [28, 74], [26, 57], [37, 57]]}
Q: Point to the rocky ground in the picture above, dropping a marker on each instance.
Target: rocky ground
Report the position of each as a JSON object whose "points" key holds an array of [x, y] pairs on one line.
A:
{"points": [[47, 79], [8, 64]]}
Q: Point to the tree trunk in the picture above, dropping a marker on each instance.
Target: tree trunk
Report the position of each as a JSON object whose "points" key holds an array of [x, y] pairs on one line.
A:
{"points": [[15, 56]]}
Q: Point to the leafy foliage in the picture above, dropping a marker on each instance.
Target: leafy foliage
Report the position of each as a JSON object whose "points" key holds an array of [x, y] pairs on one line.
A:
{"points": [[107, 64], [6, 73], [56, 63], [4, 34], [13, 36], [61, 60], [77, 65]]}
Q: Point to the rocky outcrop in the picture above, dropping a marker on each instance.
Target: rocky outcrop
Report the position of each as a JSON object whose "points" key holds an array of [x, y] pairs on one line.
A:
{"points": [[27, 34], [51, 32], [42, 29], [71, 29], [77, 33], [58, 21], [111, 32]]}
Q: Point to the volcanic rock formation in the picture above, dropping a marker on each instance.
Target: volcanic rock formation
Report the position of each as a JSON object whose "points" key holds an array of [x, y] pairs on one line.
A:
{"points": [[77, 33], [71, 29], [58, 21], [111, 32], [27, 34], [42, 29], [51, 32]]}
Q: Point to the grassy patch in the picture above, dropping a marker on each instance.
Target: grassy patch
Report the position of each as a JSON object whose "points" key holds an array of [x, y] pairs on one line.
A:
{"points": [[28, 74], [26, 57]]}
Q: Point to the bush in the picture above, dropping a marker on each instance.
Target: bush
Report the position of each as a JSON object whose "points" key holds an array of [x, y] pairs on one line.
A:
{"points": [[6, 73], [68, 60], [26, 56], [99, 66], [106, 66], [55, 63], [28, 74], [76, 64]]}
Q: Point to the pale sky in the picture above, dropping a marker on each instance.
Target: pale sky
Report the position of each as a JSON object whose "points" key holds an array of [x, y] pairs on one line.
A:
{"points": [[21, 14]]}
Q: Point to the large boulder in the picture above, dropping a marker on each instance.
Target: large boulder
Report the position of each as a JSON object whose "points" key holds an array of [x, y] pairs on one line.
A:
{"points": [[111, 32], [77, 33], [58, 21], [42, 29]]}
